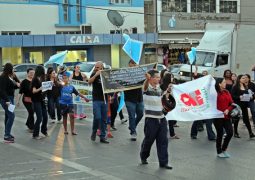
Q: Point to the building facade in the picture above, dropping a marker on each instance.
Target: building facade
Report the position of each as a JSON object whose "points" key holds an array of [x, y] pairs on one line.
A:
{"points": [[33, 30], [180, 24]]}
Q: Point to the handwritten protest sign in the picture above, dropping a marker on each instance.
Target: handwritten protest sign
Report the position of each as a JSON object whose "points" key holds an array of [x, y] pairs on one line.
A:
{"points": [[115, 80], [47, 85]]}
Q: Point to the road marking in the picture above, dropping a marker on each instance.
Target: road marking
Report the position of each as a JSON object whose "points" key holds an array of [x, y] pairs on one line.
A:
{"points": [[65, 162]]}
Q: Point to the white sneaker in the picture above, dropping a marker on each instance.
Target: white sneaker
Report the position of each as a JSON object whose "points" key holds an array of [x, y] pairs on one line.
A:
{"points": [[222, 155], [133, 137], [53, 121], [123, 121]]}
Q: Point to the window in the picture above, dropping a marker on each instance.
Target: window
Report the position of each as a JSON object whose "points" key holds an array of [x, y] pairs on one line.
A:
{"points": [[222, 60], [228, 6], [68, 32], [120, 1], [204, 6], [78, 10], [14, 1], [21, 68], [65, 10], [174, 5], [15, 32]]}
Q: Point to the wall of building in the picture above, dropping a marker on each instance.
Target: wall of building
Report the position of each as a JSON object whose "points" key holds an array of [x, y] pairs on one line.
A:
{"points": [[102, 25], [24, 17], [102, 53]]}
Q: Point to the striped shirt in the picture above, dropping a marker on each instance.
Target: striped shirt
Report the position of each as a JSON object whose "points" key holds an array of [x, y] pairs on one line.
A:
{"points": [[152, 102]]}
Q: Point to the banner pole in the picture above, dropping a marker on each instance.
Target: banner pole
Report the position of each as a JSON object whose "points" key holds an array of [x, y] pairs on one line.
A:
{"points": [[102, 87]]}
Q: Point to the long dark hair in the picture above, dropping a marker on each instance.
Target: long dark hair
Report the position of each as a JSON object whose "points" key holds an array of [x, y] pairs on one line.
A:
{"points": [[39, 73], [166, 81], [8, 70], [217, 84], [49, 71], [225, 73]]}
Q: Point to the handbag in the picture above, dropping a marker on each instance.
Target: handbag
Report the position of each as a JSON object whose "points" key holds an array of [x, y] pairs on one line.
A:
{"points": [[27, 99]]}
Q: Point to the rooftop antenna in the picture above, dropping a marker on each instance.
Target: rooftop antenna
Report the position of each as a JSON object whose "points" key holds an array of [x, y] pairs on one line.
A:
{"points": [[115, 18]]}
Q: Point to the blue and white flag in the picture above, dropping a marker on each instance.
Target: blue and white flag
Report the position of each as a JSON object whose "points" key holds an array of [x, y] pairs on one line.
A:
{"points": [[192, 55], [133, 48], [122, 102], [57, 58]]}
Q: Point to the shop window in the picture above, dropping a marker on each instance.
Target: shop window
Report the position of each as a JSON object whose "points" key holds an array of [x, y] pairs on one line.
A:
{"points": [[203, 6], [36, 57], [68, 32], [174, 5], [15, 32], [228, 6], [12, 55]]}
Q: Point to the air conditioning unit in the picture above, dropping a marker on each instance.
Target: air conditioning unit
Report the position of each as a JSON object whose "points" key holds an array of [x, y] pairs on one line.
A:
{"points": [[86, 29]]}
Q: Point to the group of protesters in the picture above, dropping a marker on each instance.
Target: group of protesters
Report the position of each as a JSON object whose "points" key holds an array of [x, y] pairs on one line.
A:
{"points": [[152, 102]]}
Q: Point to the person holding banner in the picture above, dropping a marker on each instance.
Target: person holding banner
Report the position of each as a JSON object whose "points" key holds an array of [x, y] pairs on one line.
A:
{"points": [[251, 90], [78, 76], [135, 106], [155, 127], [39, 104], [99, 104], [241, 97], [224, 104], [66, 102]]}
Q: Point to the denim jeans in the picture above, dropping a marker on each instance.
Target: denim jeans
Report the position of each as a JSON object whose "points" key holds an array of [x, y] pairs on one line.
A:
{"points": [[100, 117], [210, 133], [135, 114], [252, 108], [9, 117], [53, 103], [42, 117]]}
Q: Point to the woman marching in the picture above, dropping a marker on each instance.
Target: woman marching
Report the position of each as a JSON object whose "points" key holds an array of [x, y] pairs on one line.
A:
{"points": [[25, 93], [239, 94], [38, 99], [7, 88], [224, 104]]}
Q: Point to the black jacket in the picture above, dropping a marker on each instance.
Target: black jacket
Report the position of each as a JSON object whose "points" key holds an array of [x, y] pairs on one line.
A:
{"points": [[7, 87]]}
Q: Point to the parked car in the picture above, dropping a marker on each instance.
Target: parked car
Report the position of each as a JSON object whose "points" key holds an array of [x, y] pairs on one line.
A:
{"points": [[175, 70], [88, 67], [21, 69]]}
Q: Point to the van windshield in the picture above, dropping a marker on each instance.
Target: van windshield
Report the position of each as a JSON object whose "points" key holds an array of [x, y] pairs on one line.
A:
{"points": [[205, 58]]}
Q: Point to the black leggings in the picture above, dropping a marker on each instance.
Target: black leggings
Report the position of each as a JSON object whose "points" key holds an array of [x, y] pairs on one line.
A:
{"points": [[30, 119], [220, 125], [245, 120]]}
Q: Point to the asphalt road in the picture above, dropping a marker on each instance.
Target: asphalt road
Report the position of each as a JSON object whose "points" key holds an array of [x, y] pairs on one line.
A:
{"points": [[76, 157]]}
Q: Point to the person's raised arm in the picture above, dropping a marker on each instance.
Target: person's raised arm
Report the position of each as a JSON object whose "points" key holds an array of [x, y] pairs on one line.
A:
{"points": [[92, 79], [146, 82]]}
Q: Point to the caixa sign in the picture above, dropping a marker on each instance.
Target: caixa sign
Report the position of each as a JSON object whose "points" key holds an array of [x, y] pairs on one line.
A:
{"points": [[84, 39]]}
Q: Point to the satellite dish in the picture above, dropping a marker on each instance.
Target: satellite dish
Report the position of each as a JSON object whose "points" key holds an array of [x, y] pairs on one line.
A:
{"points": [[115, 18]]}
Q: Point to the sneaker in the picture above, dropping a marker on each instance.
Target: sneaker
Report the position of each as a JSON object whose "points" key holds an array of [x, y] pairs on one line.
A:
{"points": [[174, 137], [113, 128], [222, 155], [144, 161], [103, 140], [93, 136], [53, 121], [226, 154], [123, 121], [133, 137], [8, 139], [12, 136], [45, 134], [252, 136], [237, 135], [193, 137], [37, 137], [166, 167]]}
